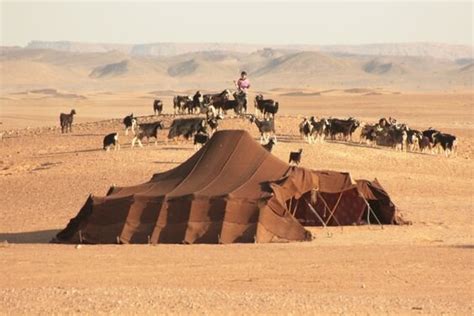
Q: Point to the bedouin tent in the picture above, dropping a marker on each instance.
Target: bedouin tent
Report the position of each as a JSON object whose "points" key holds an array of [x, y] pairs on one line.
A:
{"points": [[231, 190]]}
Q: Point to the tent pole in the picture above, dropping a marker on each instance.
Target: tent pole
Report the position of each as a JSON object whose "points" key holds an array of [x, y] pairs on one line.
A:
{"points": [[326, 206], [334, 210], [294, 210], [319, 217], [316, 213], [370, 210]]}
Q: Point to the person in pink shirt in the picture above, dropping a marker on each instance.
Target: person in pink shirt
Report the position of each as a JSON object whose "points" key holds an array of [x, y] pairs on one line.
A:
{"points": [[243, 84]]}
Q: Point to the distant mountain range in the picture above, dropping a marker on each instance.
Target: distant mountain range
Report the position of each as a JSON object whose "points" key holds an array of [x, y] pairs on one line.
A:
{"points": [[168, 66], [436, 50]]}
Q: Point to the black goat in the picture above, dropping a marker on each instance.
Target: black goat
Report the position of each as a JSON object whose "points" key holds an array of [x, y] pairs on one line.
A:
{"points": [[295, 157], [414, 138], [429, 133], [318, 129], [265, 106], [306, 129], [238, 105], [200, 139], [270, 109], [368, 134], [157, 107], [344, 127], [269, 146], [446, 141], [213, 122], [179, 102], [218, 100], [65, 120], [186, 127]]}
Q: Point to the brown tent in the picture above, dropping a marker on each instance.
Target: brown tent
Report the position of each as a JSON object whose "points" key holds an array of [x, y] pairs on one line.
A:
{"points": [[231, 190], [339, 200]]}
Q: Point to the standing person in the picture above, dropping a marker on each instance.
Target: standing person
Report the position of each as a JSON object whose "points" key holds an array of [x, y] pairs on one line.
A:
{"points": [[243, 84]]}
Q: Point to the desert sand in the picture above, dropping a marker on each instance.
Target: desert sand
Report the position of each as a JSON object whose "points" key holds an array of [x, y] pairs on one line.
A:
{"points": [[45, 178]]}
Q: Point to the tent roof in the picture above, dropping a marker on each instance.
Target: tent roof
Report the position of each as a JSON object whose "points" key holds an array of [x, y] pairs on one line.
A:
{"points": [[231, 164]]}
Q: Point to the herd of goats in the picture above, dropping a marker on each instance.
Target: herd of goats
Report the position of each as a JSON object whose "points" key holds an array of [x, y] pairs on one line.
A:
{"points": [[386, 132]]}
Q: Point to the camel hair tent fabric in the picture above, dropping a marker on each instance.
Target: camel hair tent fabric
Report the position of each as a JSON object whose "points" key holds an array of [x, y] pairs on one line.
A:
{"points": [[231, 190]]}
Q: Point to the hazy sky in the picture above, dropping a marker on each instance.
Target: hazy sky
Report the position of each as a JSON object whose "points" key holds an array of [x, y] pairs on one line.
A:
{"points": [[262, 22]]}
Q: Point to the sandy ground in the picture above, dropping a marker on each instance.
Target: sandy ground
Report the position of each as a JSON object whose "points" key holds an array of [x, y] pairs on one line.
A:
{"points": [[45, 178]]}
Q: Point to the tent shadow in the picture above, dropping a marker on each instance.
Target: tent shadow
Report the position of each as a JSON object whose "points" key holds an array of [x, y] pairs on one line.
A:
{"points": [[33, 237]]}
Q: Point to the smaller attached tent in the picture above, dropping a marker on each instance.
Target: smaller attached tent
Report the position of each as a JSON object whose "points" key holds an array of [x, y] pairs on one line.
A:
{"points": [[339, 200]]}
